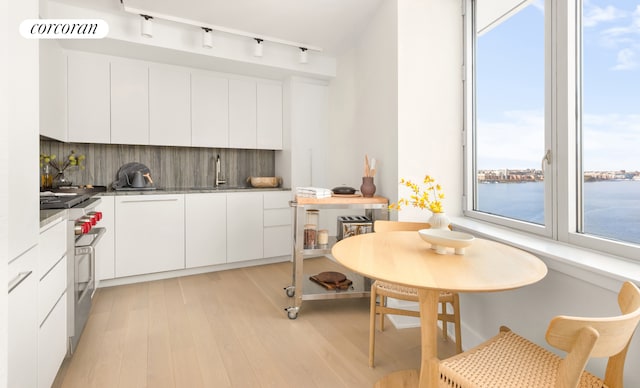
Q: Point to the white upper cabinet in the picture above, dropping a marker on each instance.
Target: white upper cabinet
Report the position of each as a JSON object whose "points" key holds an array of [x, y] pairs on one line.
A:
{"points": [[269, 116], [129, 102], [169, 106], [88, 98], [209, 111], [53, 88], [114, 100], [242, 113]]}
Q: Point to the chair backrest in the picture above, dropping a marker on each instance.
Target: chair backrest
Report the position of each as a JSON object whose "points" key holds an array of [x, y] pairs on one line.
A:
{"points": [[583, 338], [392, 226]]}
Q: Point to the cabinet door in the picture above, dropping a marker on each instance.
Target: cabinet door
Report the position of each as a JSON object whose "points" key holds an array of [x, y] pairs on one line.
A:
{"points": [[169, 106], [22, 321], [206, 229], [149, 234], [129, 102], [278, 217], [244, 226], [52, 343], [20, 106], [242, 113], [53, 90], [209, 111], [105, 251], [88, 98], [269, 116], [309, 143]]}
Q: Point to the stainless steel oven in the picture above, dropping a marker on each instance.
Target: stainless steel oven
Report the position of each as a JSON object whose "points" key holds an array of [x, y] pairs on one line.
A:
{"points": [[84, 236]]}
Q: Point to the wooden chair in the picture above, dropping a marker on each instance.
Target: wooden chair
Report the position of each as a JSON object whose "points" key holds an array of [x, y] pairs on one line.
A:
{"points": [[509, 360], [391, 290]]}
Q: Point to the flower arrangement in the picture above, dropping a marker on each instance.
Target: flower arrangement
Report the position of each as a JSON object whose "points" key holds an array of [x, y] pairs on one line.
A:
{"points": [[429, 197], [71, 161]]}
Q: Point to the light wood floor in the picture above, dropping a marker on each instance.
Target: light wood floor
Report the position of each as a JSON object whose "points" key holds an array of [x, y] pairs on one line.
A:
{"points": [[229, 329]]}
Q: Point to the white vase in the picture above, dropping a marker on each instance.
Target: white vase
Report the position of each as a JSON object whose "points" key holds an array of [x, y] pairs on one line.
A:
{"points": [[439, 221]]}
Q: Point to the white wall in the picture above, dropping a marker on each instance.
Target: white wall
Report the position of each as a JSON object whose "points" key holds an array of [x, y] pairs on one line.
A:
{"points": [[363, 106], [4, 251], [430, 98]]}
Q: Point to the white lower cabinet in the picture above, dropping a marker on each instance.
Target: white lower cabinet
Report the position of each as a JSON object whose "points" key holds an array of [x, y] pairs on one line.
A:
{"points": [[149, 234], [52, 343], [278, 216], [206, 229], [23, 320], [244, 226], [52, 301]]}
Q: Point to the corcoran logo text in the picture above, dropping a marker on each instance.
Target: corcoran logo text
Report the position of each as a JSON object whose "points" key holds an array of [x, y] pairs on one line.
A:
{"points": [[64, 29]]}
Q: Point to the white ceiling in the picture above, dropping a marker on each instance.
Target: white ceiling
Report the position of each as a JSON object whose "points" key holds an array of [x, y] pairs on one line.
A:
{"points": [[332, 25]]}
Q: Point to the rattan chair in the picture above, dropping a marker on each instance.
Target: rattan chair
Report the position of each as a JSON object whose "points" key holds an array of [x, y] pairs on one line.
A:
{"points": [[386, 290], [509, 360]]}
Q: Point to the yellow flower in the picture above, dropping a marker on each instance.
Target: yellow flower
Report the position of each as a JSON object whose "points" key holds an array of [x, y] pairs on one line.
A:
{"points": [[428, 197]]}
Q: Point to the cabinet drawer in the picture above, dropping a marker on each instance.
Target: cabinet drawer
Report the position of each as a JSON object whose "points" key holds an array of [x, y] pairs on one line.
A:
{"points": [[277, 200], [276, 217], [277, 241], [52, 343], [52, 245], [50, 288]]}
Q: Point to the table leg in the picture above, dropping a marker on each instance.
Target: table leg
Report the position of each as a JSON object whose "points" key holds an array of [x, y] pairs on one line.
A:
{"points": [[429, 368]]}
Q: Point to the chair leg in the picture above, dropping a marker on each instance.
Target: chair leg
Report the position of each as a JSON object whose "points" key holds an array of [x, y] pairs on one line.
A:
{"points": [[372, 326], [456, 317], [383, 302], [443, 307]]}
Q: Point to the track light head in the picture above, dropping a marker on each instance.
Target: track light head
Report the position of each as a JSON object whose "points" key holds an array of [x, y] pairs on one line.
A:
{"points": [[146, 26], [257, 48], [207, 37], [304, 57]]}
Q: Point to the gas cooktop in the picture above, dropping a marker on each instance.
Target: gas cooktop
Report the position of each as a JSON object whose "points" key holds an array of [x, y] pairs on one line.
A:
{"points": [[49, 200]]}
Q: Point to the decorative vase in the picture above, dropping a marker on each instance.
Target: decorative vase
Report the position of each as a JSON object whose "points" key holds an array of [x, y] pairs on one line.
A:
{"points": [[46, 177], [61, 180], [368, 188], [439, 221]]}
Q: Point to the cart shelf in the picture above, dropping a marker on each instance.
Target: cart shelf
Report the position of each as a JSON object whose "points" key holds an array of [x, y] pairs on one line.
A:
{"points": [[301, 287]]}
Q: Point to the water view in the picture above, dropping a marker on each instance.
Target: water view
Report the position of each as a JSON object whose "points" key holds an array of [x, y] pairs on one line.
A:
{"points": [[611, 207]]}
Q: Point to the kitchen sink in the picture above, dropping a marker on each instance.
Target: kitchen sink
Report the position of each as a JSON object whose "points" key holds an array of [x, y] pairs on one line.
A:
{"points": [[221, 188]]}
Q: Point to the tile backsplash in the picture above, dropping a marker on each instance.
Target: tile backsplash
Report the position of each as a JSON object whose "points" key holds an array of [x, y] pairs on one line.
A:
{"points": [[171, 167]]}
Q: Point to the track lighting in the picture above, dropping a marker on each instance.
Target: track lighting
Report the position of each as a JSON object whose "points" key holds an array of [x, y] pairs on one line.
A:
{"points": [[257, 49], [207, 37], [146, 26], [304, 57]]}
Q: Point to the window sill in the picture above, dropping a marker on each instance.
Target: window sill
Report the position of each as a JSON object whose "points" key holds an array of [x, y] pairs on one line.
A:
{"points": [[595, 267]]}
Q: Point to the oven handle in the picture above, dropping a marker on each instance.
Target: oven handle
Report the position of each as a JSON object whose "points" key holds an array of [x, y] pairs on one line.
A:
{"points": [[97, 233]]}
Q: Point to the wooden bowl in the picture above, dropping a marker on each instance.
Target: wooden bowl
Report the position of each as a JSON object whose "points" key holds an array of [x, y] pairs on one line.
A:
{"points": [[265, 181]]}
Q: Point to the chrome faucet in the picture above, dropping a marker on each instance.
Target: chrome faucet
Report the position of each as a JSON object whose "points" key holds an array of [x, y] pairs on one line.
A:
{"points": [[219, 178]]}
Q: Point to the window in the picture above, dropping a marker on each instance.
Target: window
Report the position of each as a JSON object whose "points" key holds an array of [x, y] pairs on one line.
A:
{"points": [[610, 119], [553, 120], [509, 113]]}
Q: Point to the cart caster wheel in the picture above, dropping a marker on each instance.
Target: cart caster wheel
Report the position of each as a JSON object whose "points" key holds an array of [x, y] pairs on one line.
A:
{"points": [[291, 291], [292, 312]]}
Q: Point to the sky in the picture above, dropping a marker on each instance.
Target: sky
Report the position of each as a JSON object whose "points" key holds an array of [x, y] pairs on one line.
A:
{"points": [[510, 88]]}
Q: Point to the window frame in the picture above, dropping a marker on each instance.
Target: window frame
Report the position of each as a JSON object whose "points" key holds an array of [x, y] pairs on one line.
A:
{"points": [[563, 137]]}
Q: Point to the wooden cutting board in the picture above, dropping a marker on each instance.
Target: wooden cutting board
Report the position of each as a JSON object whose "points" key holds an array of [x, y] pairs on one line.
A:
{"points": [[343, 284]]}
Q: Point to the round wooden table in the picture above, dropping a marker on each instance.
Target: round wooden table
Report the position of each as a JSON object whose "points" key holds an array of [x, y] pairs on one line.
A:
{"points": [[404, 258]]}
